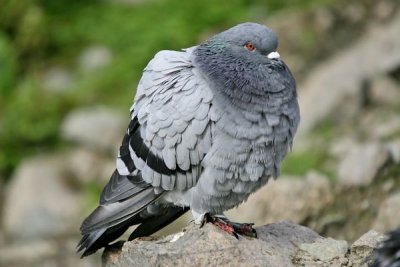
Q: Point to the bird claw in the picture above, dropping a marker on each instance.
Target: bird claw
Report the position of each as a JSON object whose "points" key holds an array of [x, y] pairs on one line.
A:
{"points": [[232, 228], [245, 229]]}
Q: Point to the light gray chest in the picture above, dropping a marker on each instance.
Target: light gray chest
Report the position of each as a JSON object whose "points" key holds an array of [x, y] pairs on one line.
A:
{"points": [[246, 150]]}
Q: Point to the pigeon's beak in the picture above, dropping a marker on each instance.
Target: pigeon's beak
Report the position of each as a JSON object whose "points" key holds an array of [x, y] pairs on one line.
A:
{"points": [[273, 55]]}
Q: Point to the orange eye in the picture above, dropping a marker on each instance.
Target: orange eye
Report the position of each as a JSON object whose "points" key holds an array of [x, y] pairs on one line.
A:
{"points": [[250, 46]]}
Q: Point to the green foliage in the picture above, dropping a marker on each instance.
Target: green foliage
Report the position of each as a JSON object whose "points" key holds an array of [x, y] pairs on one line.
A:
{"points": [[7, 66], [301, 163], [24, 22], [29, 122]]}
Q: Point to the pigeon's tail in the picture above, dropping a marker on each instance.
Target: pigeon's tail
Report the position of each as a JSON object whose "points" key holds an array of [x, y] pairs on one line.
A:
{"points": [[97, 239], [157, 222], [109, 221], [125, 201], [388, 254]]}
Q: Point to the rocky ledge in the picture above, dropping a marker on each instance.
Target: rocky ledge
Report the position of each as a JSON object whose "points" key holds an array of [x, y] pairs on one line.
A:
{"points": [[278, 244]]}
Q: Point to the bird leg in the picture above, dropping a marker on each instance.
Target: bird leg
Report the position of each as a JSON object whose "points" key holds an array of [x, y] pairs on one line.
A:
{"points": [[232, 228]]}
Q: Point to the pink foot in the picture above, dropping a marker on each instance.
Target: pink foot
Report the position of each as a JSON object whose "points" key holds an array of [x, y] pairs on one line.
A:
{"points": [[231, 228]]}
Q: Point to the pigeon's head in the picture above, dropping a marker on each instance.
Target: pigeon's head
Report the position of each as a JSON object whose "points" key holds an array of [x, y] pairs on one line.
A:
{"points": [[242, 64], [249, 39]]}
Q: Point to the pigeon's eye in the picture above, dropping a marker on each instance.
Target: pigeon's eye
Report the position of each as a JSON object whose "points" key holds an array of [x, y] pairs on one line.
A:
{"points": [[250, 46]]}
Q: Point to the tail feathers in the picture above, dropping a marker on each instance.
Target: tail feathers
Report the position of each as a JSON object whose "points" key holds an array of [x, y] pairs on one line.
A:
{"points": [[125, 201], [108, 215], [155, 223], [98, 239], [109, 221], [87, 242], [388, 254]]}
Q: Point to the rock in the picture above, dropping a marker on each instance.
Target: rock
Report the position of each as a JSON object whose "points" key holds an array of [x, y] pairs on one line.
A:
{"points": [[384, 91], [334, 88], [384, 9], [354, 12], [388, 214], [87, 166], [28, 252], [95, 57], [278, 244], [43, 253], [210, 246], [362, 249], [361, 164], [57, 79], [341, 145], [288, 198], [99, 128], [384, 129], [38, 201], [324, 252]]}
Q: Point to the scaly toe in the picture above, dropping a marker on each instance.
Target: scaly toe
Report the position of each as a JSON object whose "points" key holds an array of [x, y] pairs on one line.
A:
{"points": [[231, 228]]}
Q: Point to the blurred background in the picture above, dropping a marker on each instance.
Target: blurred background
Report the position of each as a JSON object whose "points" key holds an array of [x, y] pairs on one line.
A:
{"points": [[68, 74]]}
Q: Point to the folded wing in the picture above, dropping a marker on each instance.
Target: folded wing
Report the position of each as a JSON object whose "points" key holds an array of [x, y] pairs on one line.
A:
{"points": [[167, 138]]}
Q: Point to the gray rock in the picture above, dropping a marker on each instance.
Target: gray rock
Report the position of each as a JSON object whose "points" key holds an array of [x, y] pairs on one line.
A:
{"points": [[27, 252], [87, 166], [99, 128], [322, 252], [361, 164], [38, 201], [340, 147], [385, 91], [210, 246], [57, 79], [362, 249], [45, 253], [388, 214], [292, 198], [95, 57], [383, 129], [278, 244], [334, 88], [384, 9]]}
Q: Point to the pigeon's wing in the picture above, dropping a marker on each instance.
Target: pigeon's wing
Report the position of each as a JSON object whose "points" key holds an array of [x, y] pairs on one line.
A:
{"points": [[170, 129], [162, 150]]}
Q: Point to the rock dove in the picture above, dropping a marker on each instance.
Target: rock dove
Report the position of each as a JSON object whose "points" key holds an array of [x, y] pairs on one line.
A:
{"points": [[388, 254], [209, 126]]}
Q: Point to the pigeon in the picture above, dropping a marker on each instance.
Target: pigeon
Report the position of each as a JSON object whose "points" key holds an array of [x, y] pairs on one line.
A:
{"points": [[209, 126], [388, 254]]}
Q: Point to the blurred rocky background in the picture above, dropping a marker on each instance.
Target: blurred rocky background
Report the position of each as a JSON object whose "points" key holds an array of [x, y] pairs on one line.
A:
{"points": [[68, 73]]}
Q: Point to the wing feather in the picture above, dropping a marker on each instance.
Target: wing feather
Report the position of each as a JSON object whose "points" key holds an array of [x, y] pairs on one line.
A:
{"points": [[169, 121]]}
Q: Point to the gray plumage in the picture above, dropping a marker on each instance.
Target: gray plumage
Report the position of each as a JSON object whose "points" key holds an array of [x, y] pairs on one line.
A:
{"points": [[209, 126]]}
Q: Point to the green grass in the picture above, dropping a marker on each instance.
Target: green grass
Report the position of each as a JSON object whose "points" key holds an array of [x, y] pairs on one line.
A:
{"points": [[301, 163]]}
